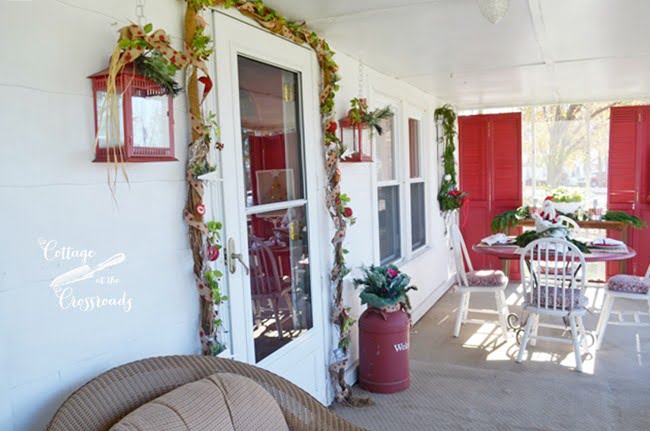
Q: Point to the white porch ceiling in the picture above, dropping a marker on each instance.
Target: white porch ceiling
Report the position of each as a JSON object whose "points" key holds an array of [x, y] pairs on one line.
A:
{"points": [[543, 51]]}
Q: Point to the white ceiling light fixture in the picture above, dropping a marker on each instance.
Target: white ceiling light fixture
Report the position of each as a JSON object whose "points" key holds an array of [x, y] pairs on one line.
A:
{"points": [[494, 10]]}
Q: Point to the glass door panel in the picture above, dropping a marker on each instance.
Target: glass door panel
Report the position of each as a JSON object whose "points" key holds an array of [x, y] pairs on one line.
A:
{"points": [[276, 204], [271, 133], [280, 287]]}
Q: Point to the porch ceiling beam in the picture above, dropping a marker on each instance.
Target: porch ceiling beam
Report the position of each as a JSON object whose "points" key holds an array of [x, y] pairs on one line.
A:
{"points": [[644, 55], [539, 27], [371, 12]]}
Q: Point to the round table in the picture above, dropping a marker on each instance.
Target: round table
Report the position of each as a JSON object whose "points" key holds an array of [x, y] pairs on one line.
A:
{"points": [[508, 253]]}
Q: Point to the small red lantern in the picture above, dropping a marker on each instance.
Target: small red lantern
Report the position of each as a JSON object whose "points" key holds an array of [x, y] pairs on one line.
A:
{"points": [[356, 136], [146, 119]]}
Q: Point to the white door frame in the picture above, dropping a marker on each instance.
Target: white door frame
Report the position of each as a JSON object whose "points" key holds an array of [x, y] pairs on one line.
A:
{"points": [[236, 35]]}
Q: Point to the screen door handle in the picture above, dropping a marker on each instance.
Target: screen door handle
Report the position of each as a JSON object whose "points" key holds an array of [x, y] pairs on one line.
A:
{"points": [[233, 257]]}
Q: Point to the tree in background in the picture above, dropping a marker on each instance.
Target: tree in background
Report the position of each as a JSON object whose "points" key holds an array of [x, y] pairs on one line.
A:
{"points": [[566, 137]]}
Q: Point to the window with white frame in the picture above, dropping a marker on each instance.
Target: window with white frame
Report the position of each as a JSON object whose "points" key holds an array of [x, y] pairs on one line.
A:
{"points": [[388, 193], [401, 195], [416, 185]]}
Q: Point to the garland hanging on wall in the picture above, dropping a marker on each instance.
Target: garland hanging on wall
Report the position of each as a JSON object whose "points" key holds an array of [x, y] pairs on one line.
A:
{"points": [[154, 58], [449, 197], [336, 202], [204, 236]]}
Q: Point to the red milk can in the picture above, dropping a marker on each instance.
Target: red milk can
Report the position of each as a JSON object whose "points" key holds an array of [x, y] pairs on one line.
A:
{"points": [[384, 351]]}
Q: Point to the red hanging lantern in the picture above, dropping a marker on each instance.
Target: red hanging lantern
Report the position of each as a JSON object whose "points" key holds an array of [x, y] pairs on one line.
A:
{"points": [[356, 136], [146, 119]]}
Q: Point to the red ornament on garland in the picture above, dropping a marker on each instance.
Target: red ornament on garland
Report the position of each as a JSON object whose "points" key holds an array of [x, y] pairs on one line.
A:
{"points": [[213, 253], [200, 209], [347, 211]]}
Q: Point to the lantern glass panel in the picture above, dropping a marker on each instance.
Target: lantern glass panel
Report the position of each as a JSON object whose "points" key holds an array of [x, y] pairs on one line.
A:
{"points": [[365, 142], [150, 121], [105, 133], [348, 137]]}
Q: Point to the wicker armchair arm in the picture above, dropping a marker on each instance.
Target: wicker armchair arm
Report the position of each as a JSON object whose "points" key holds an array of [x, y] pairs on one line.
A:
{"points": [[105, 400]]}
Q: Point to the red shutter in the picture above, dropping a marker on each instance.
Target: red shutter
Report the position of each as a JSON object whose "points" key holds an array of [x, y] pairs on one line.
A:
{"points": [[507, 193], [642, 238], [622, 158], [473, 176], [629, 178], [491, 173]]}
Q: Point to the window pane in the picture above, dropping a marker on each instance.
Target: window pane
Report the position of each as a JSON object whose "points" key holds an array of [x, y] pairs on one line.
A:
{"points": [[418, 225], [279, 277], [271, 133], [386, 150], [566, 146], [389, 230], [414, 148]]}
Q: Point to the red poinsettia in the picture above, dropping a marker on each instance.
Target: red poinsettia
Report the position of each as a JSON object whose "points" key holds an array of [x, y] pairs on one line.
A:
{"points": [[392, 272]]}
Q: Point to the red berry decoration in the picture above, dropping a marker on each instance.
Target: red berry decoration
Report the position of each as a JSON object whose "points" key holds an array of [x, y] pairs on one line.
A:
{"points": [[338, 201], [347, 211], [213, 253], [200, 209], [332, 128]]}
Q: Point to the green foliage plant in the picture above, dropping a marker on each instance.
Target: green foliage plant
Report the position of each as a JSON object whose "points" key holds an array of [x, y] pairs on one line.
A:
{"points": [[626, 218], [449, 197], [384, 286]]}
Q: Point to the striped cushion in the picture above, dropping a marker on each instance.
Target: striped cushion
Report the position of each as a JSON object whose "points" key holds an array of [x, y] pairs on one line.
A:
{"points": [[560, 299], [486, 278], [629, 284]]}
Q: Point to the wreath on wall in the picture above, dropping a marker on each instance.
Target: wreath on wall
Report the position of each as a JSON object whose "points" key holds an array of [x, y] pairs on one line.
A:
{"points": [[450, 197], [204, 239]]}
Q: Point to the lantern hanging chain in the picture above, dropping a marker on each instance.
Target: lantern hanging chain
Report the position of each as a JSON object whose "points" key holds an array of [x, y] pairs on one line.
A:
{"points": [[139, 12], [361, 72]]}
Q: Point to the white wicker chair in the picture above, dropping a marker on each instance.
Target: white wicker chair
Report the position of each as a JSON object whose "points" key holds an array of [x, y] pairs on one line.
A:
{"points": [[471, 281], [553, 279], [623, 287]]}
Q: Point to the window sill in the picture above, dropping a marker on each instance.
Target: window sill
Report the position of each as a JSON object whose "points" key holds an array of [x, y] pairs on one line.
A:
{"points": [[412, 257], [419, 252]]}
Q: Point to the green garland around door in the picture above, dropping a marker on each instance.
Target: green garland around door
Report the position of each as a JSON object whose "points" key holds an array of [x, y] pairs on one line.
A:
{"points": [[450, 197]]}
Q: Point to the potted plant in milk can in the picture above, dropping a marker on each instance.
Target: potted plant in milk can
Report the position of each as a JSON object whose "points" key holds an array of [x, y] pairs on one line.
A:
{"points": [[384, 329]]}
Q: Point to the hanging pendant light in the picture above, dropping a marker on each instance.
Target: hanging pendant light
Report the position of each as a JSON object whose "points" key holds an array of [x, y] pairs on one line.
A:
{"points": [[494, 10]]}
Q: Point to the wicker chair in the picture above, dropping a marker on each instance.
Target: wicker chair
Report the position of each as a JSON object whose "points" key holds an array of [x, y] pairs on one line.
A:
{"points": [[106, 399]]}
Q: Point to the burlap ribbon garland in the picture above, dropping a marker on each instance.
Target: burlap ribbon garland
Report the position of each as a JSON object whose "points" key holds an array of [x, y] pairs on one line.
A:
{"points": [[300, 34], [160, 41], [195, 220]]}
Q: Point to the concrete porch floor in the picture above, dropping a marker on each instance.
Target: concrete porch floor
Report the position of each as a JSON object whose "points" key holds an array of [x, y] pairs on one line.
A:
{"points": [[473, 383]]}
